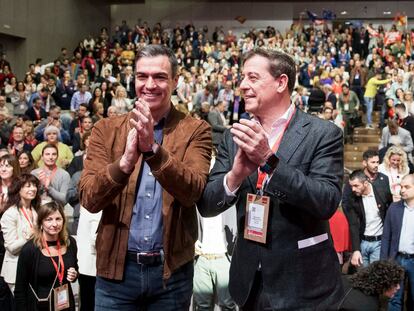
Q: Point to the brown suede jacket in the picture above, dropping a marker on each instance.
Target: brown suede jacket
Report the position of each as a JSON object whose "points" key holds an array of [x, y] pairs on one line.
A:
{"points": [[181, 166]]}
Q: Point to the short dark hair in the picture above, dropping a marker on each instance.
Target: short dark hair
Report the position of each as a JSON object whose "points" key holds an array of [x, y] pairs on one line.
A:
{"points": [[50, 146], [370, 154], [280, 63], [401, 106], [154, 50], [36, 99], [358, 174], [85, 105]]}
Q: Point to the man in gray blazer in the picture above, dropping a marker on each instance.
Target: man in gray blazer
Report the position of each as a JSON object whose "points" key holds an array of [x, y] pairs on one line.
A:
{"points": [[218, 122], [401, 137], [296, 160]]}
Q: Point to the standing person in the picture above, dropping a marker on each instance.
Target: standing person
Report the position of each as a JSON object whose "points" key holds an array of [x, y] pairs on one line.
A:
{"points": [[86, 234], [214, 247], [398, 240], [370, 92], [305, 170], [348, 104], [395, 167], [366, 213], [370, 165], [217, 121], [145, 170], [47, 264], [18, 221]]}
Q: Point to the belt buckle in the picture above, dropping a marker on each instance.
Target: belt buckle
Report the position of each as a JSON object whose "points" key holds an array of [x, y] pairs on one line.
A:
{"points": [[147, 258]]}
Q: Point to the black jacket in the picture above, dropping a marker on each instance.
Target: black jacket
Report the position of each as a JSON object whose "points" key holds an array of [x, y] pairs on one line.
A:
{"points": [[304, 191], [27, 268], [355, 213]]}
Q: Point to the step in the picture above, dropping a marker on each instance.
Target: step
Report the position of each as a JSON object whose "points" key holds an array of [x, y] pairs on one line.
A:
{"points": [[365, 131], [352, 166], [353, 156], [360, 147], [367, 139]]}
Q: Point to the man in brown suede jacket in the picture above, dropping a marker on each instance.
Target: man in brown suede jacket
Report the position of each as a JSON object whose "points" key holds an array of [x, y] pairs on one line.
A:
{"points": [[145, 170]]}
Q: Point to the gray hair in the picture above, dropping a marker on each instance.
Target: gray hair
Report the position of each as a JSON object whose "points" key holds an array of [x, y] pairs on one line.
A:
{"points": [[154, 50], [279, 63]]}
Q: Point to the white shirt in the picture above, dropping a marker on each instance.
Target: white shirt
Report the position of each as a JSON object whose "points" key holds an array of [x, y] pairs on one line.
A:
{"points": [[406, 244], [213, 242], [373, 221]]}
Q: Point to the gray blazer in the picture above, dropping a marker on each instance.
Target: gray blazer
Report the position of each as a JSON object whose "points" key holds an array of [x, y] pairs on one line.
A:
{"points": [[217, 126], [304, 191], [403, 134]]}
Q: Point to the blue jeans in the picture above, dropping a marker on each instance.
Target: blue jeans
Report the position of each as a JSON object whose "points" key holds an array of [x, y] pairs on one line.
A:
{"points": [[142, 289], [369, 103], [370, 251], [397, 302]]}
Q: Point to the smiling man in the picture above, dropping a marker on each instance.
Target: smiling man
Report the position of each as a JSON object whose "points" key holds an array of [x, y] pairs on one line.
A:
{"points": [[283, 170], [145, 170]]}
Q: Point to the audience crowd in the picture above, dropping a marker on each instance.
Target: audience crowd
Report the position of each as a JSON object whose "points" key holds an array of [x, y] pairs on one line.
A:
{"points": [[343, 74]]}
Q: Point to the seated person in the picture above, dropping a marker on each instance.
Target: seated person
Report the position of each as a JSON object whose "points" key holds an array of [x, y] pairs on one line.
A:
{"points": [[51, 135]]}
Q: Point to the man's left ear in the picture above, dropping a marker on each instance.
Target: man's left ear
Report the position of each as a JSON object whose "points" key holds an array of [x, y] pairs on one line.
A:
{"points": [[283, 83]]}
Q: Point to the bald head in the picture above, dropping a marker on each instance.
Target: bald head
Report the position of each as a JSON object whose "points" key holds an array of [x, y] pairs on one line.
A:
{"points": [[409, 179]]}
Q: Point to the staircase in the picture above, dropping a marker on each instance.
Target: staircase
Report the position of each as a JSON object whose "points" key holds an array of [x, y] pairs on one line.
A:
{"points": [[364, 139]]}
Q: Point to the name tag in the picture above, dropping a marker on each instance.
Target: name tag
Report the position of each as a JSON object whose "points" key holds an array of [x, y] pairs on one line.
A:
{"points": [[257, 214], [61, 295], [346, 107]]}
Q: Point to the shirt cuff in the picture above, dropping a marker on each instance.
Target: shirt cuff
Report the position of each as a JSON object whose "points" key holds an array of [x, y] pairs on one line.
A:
{"points": [[230, 194]]}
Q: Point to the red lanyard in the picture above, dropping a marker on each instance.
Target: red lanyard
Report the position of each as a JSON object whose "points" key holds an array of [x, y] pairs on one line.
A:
{"points": [[27, 217], [60, 273], [262, 175]]}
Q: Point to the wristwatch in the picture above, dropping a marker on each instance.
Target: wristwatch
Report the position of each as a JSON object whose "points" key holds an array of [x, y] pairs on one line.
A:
{"points": [[270, 164]]}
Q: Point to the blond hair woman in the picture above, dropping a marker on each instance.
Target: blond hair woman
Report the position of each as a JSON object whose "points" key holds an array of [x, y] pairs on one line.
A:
{"points": [[395, 166]]}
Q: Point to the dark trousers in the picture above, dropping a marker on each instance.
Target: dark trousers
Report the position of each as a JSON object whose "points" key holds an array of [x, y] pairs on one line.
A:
{"points": [[87, 292]]}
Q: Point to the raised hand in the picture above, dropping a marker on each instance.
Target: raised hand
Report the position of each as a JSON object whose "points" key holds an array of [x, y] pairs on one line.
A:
{"points": [[252, 139], [131, 153], [144, 125]]}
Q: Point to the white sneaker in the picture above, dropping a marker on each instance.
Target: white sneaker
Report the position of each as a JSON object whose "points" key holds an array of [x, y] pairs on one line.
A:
{"points": [[367, 126]]}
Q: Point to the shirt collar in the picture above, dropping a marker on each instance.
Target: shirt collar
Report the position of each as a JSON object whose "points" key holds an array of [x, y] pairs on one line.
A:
{"points": [[284, 117], [371, 194], [408, 207]]}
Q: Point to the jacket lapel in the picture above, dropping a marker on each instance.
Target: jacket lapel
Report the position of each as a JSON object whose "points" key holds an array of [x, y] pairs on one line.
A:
{"points": [[399, 217], [293, 136], [291, 140]]}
